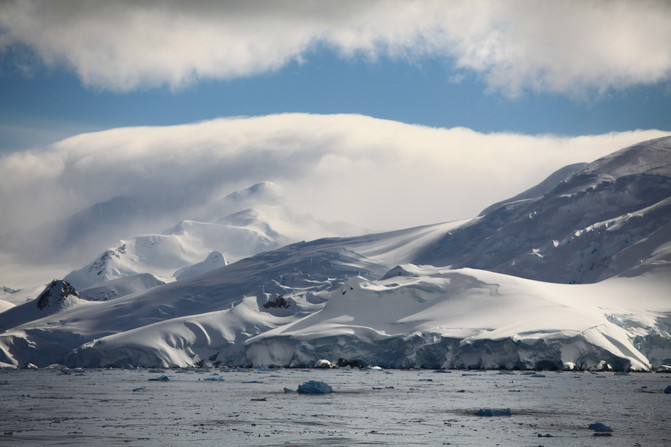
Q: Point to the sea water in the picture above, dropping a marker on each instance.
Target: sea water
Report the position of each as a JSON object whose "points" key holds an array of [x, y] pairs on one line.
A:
{"points": [[222, 407]]}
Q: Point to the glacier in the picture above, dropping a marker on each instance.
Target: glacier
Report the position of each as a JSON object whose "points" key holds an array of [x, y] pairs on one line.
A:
{"points": [[572, 274]]}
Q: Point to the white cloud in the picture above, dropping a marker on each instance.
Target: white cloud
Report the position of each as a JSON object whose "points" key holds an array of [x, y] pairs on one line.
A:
{"points": [[375, 173], [569, 47]]}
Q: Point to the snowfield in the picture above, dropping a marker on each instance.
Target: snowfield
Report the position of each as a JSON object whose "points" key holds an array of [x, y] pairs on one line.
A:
{"points": [[439, 318], [572, 274]]}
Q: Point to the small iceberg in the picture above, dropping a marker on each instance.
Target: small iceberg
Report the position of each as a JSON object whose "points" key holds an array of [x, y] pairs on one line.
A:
{"points": [[159, 379], [314, 387], [599, 427], [489, 412]]}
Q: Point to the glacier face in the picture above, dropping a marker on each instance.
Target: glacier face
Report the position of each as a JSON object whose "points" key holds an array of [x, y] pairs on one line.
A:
{"points": [[572, 274], [442, 318]]}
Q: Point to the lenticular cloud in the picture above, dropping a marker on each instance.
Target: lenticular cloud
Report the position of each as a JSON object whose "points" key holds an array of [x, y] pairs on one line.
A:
{"points": [[567, 47], [375, 173]]}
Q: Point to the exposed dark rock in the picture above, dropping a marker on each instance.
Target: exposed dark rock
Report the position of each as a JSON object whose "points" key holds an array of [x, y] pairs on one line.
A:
{"points": [[278, 303], [55, 294]]}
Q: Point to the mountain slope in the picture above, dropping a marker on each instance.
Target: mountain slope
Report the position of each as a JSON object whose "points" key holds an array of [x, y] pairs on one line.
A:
{"points": [[242, 233], [581, 231], [412, 298], [304, 274]]}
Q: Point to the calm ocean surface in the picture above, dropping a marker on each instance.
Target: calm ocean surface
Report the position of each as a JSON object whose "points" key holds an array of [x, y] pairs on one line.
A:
{"points": [[368, 407]]}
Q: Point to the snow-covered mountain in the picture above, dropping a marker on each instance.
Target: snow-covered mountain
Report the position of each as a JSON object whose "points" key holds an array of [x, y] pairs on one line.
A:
{"points": [[187, 247], [490, 292], [6, 292], [57, 296], [611, 217]]}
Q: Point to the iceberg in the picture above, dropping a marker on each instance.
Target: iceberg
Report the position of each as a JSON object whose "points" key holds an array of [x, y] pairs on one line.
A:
{"points": [[314, 387]]}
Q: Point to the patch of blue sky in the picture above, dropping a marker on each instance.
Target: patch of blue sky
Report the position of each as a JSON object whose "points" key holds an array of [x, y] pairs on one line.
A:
{"points": [[52, 103]]}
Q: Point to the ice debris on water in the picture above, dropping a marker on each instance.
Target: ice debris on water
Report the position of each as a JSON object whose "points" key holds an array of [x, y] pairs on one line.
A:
{"points": [[314, 387], [600, 427], [159, 379], [215, 379], [493, 412]]}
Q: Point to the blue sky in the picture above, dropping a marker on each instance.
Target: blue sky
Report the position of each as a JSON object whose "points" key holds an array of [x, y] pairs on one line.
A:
{"points": [[61, 76], [52, 103]]}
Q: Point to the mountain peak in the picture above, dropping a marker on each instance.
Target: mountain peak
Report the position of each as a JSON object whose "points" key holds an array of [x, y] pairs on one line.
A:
{"points": [[58, 294], [264, 193]]}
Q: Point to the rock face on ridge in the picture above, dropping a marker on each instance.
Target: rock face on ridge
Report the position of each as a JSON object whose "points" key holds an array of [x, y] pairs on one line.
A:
{"points": [[56, 295]]}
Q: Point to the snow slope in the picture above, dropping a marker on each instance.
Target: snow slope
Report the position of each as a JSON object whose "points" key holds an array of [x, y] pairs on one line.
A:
{"points": [[440, 318], [120, 287], [408, 298], [213, 261], [166, 321], [176, 252], [603, 221]]}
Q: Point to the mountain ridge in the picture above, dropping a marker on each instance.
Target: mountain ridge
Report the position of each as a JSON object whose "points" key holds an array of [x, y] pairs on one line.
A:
{"points": [[415, 297]]}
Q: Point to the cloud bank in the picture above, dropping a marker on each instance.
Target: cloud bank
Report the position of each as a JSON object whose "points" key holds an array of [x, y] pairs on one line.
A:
{"points": [[570, 47], [375, 173]]}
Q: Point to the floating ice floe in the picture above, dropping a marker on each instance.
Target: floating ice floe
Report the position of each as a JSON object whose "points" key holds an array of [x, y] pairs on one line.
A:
{"points": [[314, 387], [600, 429], [493, 412], [159, 379]]}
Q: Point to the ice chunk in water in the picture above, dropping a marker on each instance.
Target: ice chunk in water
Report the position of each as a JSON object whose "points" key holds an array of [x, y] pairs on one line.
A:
{"points": [[314, 387], [159, 379], [493, 412], [600, 427]]}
